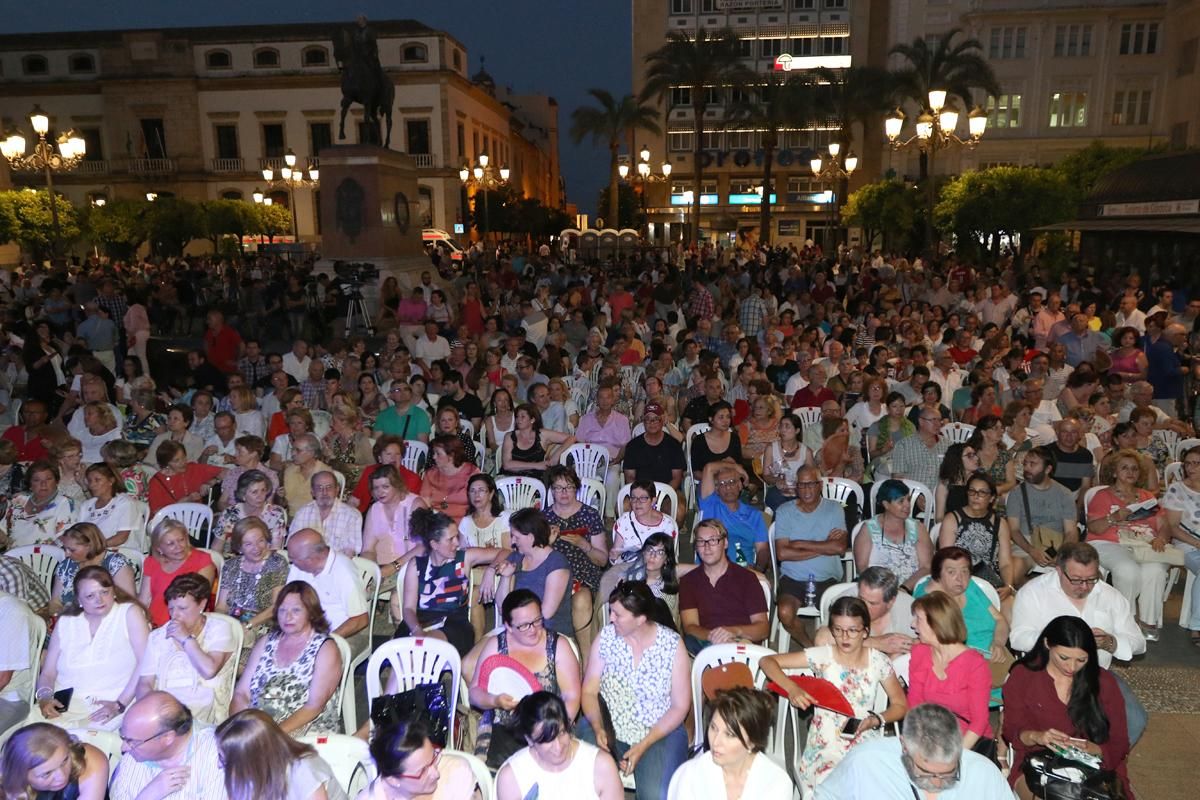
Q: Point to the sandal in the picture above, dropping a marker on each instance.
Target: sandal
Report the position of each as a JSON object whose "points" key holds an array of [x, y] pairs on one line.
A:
{"points": [[1195, 638]]}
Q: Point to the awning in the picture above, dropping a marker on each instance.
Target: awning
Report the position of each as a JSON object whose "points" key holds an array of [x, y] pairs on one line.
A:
{"points": [[1160, 225]]}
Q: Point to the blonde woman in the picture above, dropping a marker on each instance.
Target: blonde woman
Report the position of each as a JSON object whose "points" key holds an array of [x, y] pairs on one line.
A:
{"points": [[761, 430], [245, 411], [85, 547], [44, 761]]}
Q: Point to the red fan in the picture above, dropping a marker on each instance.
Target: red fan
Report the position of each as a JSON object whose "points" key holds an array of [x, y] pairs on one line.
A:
{"points": [[501, 674], [823, 693]]}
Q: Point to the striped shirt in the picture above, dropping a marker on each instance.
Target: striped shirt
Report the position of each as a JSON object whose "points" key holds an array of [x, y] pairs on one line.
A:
{"points": [[206, 781]]}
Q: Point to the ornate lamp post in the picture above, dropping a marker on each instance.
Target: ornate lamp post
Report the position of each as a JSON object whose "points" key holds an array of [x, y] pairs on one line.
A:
{"points": [[484, 176], [837, 169], [292, 179], [935, 129], [645, 174], [71, 149]]}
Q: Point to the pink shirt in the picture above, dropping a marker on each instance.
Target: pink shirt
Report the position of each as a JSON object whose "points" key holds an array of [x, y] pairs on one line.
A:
{"points": [[614, 433], [965, 691], [136, 319]]}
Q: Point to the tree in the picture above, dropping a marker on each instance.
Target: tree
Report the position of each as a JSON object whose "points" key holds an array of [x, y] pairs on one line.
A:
{"points": [[979, 207], [629, 212], [222, 218], [172, 223], [119, 226], [710, 62], [1083, 168], [773, 106], [31, 223], [271, 221], [607, 123], [886, 209]]}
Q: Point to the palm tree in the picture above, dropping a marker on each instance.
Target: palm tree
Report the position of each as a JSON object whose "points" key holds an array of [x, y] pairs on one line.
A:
{"points": [[607, 123], [710, 60], [773, 107]]}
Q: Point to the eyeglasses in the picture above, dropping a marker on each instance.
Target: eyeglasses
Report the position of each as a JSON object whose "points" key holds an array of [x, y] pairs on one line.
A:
{"points": [[807, 484], [979, 492], [132, 743], [729, 482], [713, 542], [643, 498], [1081, 581], [922, 774], [656, 552], [845, 633], [562, 487], [437, 756], [528, 626]]}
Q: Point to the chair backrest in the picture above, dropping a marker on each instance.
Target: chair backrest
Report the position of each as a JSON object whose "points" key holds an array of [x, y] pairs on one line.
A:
{"points": [[638, 430], [136, 559], [774, 559], [1172, 472], [592, 493], [322, 421], [1183, 446], [664, 498], [139, 533], [345, 693], [467, 427], [416, 455], [41, 558], [714, 656], [589, 460], [692, 432], [37, 640], [483, 777], [833, 593], [521, 493], [348, 756], [900, 665], [809, 415], [916, 491], [958, 432], [108, 742], [1089, 494], [235, 656], [1169, 437], [415, 661], [196, 517]]}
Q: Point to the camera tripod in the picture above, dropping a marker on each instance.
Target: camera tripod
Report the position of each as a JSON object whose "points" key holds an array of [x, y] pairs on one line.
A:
{"points": [[356, 307]]}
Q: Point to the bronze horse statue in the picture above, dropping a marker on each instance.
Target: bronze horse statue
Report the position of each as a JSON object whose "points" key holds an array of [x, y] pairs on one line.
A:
{"points": [[364, 82]]}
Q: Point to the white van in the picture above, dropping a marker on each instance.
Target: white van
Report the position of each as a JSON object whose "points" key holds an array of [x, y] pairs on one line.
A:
{"points": [[435, 237]]}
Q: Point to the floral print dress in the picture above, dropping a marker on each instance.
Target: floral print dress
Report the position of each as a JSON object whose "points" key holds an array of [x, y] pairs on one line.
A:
{"points": [[826, 747], [282, 690]]}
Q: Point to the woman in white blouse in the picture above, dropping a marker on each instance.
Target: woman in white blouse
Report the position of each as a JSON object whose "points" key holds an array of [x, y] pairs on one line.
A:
{"points": [[735, 767], [110, 509], [1182, 505]]}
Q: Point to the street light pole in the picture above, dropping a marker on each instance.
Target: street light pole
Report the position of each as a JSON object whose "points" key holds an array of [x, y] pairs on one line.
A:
{"points": [[71, 149], [837, 169], [291, 178], [483, 176]]}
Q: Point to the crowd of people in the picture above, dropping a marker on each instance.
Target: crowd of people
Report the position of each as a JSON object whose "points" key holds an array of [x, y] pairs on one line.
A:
{"points": [[955, 493]]}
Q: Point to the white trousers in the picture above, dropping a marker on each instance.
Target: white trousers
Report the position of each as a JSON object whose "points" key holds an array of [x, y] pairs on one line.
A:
{"points": [[1142, 584]]}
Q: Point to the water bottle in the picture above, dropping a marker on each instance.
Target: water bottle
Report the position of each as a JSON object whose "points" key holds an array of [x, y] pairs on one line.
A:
{"points": [[739, 557], [810, 592]]}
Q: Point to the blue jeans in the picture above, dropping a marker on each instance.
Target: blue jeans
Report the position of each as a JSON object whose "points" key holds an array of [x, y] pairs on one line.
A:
{"points": [[656, 766], [1135, 712]]}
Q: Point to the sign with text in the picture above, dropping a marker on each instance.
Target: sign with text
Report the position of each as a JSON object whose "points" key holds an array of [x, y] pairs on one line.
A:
{"points": [[747, 5], [1150, 209]]}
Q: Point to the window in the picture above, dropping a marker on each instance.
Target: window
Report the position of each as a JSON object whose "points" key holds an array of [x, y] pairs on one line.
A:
{"points": [[739, 95], [35, 65], [804, 47], [741, 140], [315, 57], [712, 140], [458, 60], [1139, 38], [1179, 136], [710, 7], [681, 96], [320, 136], [1072, 40], [1068, 110], [681, 6], [1006, 42], [414, 52], [82, 63], [95, 148], [218, 59], [770, 48], [713, 95], [462, 141], [266, 58], [232, 194], [835, 45], [801, 185], [226, 141], [154, 139], [745, 48], [1004, 111], [279, 198], [1131, 107], [680, 141], [835, 3], [417, 132], [1186, 64], [274, 144], [801, 5]]}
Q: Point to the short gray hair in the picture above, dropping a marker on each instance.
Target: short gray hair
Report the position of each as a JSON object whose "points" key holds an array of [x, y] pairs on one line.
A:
{"points": [[308, 440], [880, 578], [931, 732]]}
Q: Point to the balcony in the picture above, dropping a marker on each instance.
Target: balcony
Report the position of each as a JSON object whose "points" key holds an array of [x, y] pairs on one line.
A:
{"points": [[152, 166], [274, 162], [423, 160], [227, 165], [97, 166]]}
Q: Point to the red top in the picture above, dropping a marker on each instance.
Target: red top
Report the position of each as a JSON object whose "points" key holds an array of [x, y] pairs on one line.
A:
{"points": [[962, 357], [736, 596], [221, 348], [277, 427], [472, 315], [168, 489], [363, 490], [807, 398], [27, 449], [965, 691], [159, 581], [1032, 704]]}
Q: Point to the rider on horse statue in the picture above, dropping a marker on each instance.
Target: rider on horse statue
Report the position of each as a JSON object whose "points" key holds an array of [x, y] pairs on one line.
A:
{"points": [[364, 81]]}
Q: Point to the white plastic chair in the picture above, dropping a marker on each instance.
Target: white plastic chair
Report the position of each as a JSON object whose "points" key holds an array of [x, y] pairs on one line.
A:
{"points": [[958, 432], [467, 427], [1185, 610], [689, 483], [1172, 472], [664, 498], [139, 535], [372, 578], [1182, 446], [218, 562], [196, 517], [41, 558], [235, 656], [136, 559], [108, 742], [345, 692], [809, 415], [592, 493], [416, 456], [714, 656], [1169, 438], [37, 640], [588, 460], [483, 777], [833, 593], [348, 756], [916, 490], [521, 492], [322, 421], [415, 661], [638, 430]]}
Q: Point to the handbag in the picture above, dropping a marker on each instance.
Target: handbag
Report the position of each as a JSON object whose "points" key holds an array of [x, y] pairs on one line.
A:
{"points": [[1056, 777], [1042, 537], [1144, 553], [425, 701], [1001, 666]]}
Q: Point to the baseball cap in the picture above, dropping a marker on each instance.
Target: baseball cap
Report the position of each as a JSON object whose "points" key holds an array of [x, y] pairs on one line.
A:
{"points": [[653, 408]]}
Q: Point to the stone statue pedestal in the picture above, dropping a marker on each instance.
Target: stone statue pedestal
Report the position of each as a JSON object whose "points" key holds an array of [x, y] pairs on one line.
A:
{"points": [[369, 213]]}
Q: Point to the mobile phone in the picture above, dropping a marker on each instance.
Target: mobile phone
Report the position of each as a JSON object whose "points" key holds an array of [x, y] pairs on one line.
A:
{"points": [[1052, 551], [63, 698], [851, 728]]}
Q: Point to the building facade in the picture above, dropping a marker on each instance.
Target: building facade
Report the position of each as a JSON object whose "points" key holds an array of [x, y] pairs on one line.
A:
{"points": [[199, 112]]}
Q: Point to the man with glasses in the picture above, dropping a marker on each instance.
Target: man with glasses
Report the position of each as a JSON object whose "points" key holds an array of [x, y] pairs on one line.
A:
{"points": [[721, 486], [720, 602], [339, 523], [919, 457], [403, 419], [1076, 589], [810, 539], [165, 755], [926, 762]]}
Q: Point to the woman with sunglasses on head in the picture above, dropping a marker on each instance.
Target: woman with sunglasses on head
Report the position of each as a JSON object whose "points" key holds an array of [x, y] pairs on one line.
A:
{"points": [[950, 495], [546, 654]]}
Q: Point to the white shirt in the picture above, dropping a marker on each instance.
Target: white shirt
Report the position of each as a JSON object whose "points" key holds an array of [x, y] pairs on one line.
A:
{"points": [[702, 779], [295, 367], [1043, 599], [428, 352], [78, 428], [206, 779], [1136, 320], [794, 384], [15, 629], [342, 529], [342, 593], [119, 515], [173, 672], [217, 459]]}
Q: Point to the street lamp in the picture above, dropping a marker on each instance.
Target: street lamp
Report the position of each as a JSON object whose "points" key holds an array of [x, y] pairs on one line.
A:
{"points": [[151, 197], [291, 179], [936, 128], [71, 149], [483, 176], [645, 175], [837, 169]]}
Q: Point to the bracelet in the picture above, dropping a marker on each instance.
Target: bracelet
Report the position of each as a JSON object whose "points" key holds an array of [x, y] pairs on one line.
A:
{"points": [[120, 705], [878, 718]]}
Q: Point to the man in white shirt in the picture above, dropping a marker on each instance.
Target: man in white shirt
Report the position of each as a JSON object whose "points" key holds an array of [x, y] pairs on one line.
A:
{"points": [[334, 576], [1129, 315], [295, 362], [1075, 589], [16, 669], [1045, 412], [339, 523], [162, 746], [430, 347], [219, 450]]}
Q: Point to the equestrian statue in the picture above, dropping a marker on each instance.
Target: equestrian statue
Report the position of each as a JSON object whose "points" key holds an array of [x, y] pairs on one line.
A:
{"points": [[364, 81]]}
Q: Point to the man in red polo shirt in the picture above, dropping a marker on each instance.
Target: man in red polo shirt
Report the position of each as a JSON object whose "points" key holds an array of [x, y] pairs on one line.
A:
{"points": [[222, 344], [816, 392], [28, 437]]}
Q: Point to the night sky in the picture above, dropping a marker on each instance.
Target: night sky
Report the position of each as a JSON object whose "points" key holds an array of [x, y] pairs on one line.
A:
{"points": [[556, 47]]}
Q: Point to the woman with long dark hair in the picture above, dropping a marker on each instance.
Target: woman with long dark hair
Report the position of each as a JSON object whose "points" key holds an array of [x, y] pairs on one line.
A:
{"points": [[262, 761], [1059, 695]]}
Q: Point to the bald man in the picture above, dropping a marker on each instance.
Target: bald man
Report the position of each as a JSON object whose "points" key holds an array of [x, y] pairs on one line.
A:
{"points": [[334, 576], [164, 755]]}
